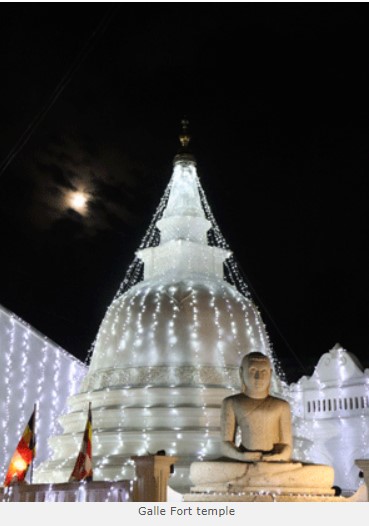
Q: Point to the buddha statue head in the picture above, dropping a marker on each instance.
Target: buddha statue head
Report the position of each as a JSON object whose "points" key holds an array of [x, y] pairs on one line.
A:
{"points": [[256, 374]]}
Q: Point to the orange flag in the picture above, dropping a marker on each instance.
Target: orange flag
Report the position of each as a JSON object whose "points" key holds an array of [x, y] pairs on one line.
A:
{"points": [[83, 466], [23, 455]]}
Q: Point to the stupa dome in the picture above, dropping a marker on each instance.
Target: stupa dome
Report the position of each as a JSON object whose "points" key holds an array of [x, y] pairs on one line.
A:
{"points": [[195, 322]]}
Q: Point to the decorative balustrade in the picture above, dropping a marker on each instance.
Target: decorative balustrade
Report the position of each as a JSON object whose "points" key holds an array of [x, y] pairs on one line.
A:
{"points": [[150, 485]]}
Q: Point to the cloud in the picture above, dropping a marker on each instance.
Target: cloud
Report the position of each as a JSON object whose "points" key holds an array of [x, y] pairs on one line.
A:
{"points": [[108, 177]]}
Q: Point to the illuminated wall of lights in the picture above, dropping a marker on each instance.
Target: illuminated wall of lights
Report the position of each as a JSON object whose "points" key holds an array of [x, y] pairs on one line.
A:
{"points": [[331, 415], [33, 370]]}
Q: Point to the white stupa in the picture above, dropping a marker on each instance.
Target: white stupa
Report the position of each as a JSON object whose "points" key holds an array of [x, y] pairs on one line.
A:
{"points": [[169, 348]]}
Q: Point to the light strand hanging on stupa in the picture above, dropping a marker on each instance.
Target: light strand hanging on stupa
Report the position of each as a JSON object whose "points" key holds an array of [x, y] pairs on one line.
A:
{"points": [[134, 273]]}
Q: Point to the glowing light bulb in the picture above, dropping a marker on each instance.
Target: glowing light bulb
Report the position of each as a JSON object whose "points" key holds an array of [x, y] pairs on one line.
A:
{"points": [[19, 464]]}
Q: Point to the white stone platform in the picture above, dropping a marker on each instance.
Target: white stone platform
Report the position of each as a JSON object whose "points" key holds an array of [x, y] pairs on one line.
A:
{"points": [[277, 477], [273, 496], [227, 481]]}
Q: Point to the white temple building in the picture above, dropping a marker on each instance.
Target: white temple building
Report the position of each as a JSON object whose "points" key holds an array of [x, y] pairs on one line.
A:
{"points": [[169, 348], [33, 370], [331, 415]]}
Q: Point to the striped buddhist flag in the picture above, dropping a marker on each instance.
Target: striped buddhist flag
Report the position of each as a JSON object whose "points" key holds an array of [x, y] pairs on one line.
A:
{"points": [[23, 455], [83, 466]]}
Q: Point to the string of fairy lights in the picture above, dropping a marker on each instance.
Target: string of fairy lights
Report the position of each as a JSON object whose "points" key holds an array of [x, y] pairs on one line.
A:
{"points": [[134, 273]]}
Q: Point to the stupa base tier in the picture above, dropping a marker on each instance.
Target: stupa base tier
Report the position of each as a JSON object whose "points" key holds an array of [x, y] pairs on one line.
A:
{"points": [[149, 396], [186, 443], [183, 421], [114, 469], [144, 418]]}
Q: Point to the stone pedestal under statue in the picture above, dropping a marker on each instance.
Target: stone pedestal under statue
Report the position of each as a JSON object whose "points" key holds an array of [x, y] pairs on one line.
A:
{"points": [[277, 477]]}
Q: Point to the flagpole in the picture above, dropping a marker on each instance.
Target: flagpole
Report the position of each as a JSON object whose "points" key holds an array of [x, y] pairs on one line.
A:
{"points": [[34, 443]]}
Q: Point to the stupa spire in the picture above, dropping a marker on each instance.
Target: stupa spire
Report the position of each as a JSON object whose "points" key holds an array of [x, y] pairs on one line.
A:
{"points": [[184, 137], [183, 247], [184, 155]]}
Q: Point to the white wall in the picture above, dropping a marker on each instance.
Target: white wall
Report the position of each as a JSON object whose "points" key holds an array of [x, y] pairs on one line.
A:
{"points": [[33, 370]]}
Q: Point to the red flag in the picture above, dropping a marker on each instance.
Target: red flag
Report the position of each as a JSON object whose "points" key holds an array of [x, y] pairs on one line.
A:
{"points": [[23, 455], [83, 466]]}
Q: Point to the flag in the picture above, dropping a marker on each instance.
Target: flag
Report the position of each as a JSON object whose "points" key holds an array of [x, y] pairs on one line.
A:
{"points": [[83, 467], [23, 455]]}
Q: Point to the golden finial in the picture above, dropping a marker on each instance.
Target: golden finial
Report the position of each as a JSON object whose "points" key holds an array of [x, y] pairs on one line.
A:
{"points": [[183, 154], [184, 136]]}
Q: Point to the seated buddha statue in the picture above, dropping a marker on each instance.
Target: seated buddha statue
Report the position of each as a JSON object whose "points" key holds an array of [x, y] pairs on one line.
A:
{"points": [[264, 420], [262, 459]]}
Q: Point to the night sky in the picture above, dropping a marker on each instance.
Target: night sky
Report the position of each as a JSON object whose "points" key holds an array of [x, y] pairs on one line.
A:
{"points": [[277, 99]]}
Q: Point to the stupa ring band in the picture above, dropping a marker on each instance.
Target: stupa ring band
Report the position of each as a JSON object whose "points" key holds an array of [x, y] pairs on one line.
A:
{"points": [[165, 375]]}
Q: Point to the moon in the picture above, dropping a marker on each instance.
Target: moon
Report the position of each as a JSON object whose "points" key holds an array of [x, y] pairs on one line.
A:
{"points": [[78, 201]]}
